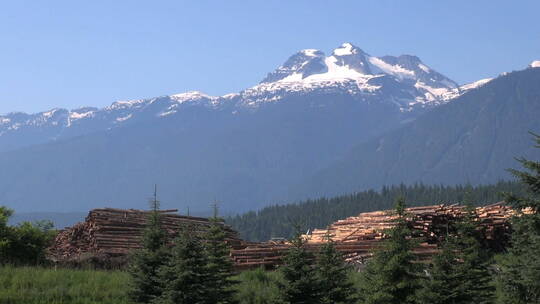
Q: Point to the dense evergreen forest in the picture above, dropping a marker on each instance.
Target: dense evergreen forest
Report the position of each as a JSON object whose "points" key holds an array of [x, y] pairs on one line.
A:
{"points": [[280, 220]]}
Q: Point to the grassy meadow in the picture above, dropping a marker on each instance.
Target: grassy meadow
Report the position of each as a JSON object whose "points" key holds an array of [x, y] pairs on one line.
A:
{"points": [[37, 285]]}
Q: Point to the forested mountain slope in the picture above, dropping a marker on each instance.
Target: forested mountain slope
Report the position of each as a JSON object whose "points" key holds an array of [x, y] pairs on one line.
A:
{"points": [[474, 138]]}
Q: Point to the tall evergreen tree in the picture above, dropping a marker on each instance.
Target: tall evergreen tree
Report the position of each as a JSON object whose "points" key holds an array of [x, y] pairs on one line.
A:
{"points": [[185, 276], [219, 282], [145, 285], [391, 276], [460, 273], [333, 276], [519, 278], [300, 279]]}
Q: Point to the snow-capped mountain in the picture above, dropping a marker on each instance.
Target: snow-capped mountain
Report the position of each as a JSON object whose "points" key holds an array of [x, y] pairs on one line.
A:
{"points": [[245, 149], [404, 82]]}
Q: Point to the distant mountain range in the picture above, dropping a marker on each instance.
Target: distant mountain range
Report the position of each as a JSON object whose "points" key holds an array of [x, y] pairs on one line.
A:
{"points": [[308, 128]]}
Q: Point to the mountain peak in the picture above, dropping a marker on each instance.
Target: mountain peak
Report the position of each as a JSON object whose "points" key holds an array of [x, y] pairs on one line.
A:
{"points": [[346, 49], [190, 95], [311, 53], [305, 62]]}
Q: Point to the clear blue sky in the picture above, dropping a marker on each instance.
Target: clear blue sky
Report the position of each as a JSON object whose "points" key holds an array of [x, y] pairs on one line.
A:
{"points": [[78, 53]]}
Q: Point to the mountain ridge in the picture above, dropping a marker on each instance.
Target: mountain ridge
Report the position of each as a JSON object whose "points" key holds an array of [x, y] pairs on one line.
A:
{"points": [[244, 149], [352, 72]]}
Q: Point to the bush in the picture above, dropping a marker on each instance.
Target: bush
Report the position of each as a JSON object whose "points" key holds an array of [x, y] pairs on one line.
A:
{"points": [[258, 287], [26, 243]]}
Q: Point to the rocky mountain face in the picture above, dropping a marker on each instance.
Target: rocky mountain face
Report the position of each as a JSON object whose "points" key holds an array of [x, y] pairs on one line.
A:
{"points": [[244, 149]]}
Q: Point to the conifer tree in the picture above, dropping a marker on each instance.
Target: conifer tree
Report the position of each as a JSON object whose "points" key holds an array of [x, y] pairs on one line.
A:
{"points": [[145, 285], [519, 278], [391, 277], [333, 276], [219, 282], [460, 273], [300, 284], [185, 275]]}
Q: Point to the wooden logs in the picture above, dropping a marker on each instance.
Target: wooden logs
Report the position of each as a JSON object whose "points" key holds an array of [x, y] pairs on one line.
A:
{"points": [[108, 233], [112, 232], [356, 237]]}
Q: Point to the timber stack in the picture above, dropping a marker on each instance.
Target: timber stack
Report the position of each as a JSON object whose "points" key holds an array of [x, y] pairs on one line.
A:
{"points": [[356, 237], [107, 235]]}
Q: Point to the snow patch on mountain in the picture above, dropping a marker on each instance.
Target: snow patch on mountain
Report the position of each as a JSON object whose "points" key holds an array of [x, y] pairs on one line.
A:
{"points": [[394, 70], [190, 96], [74, 115], [345, 49], [310, 52], [49, 114], [124, 118], [535, 64], [424, 68], [476, 84], [127, 104]]}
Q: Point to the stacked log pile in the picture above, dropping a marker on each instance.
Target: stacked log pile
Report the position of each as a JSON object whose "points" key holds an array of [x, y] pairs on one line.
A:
{"points": [[356, 237], [108, 233]]}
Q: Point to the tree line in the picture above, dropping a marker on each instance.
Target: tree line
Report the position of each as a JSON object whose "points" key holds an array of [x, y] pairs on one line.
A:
{"points": [[279, 220]]}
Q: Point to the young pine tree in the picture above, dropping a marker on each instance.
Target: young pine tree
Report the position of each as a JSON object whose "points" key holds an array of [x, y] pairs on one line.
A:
{"points": [[219, 282], [519, 277], [333, 276], [145, 285], [460, 273], [185, 275], [300, 284], [391, 277]]}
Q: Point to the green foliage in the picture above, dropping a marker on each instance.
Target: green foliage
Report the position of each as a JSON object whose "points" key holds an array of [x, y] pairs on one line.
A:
{"points": [[5, 234], [391, 276], [333, 276], [258, 287], [277, 221], [26, 243], [300, 284], [185, 277], [220, 267], [145, 264], [460, 272], [36, 285], [519, 277]]}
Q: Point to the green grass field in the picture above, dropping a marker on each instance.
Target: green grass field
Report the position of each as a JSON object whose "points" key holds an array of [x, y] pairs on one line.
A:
{"points": [[35, 285], [38, 285]]}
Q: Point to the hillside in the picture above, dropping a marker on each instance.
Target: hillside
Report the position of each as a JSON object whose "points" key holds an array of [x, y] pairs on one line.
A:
{"points": [[475, 138]]}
